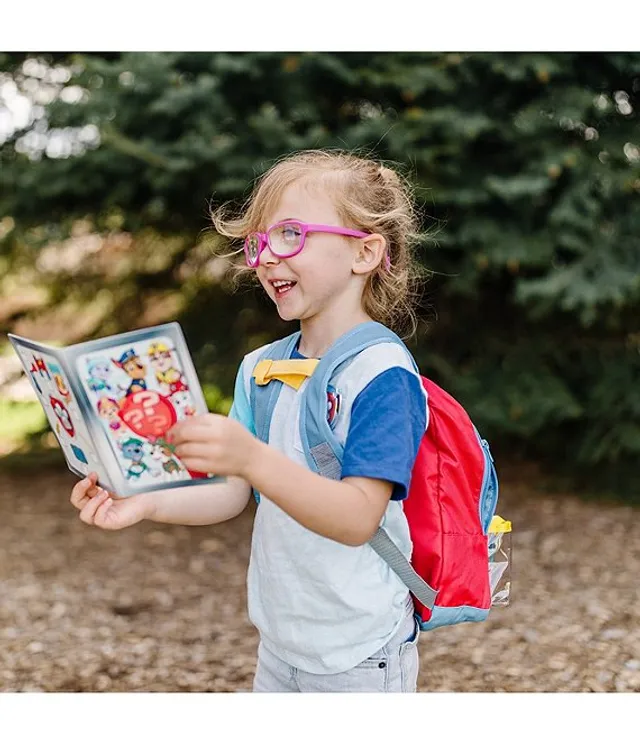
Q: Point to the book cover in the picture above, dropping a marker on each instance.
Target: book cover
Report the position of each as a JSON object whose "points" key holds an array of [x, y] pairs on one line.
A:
{"points": [[111, 401]]}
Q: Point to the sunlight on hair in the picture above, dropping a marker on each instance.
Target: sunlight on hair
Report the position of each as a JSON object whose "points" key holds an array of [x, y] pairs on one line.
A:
{"points": [[369, 196]]}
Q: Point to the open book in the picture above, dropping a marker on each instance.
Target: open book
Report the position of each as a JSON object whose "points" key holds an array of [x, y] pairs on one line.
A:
{"points": [[111, 401]]}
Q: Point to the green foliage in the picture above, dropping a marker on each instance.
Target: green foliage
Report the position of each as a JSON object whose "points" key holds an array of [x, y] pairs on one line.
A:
{"points": [[216, 400], [527, 173], [19, 419]]}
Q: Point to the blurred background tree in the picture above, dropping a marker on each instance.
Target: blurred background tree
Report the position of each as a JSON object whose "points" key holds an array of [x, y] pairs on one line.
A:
{"points": [[527, 174]]}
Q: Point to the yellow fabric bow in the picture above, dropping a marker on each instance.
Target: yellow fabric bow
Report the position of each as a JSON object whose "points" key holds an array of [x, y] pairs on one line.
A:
{"points": [[292, 372]]}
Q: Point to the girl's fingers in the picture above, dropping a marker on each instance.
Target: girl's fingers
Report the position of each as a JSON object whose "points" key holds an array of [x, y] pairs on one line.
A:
{"points": [[100, 516], [88, 512], [83, 491], [191, 450], [191, 431], [196, 456], [197, 464]]}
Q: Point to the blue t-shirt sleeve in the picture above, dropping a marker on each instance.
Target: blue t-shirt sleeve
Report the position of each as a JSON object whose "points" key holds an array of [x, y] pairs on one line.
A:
{"points": [[241, 407], [388, 421]]}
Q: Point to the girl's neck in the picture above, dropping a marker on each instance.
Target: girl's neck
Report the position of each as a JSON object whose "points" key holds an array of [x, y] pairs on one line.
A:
{"points": [[319, 333]]}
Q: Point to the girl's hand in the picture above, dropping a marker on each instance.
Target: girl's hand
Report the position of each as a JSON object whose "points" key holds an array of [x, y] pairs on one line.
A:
{"points": [[214, 444], [106, 510]]}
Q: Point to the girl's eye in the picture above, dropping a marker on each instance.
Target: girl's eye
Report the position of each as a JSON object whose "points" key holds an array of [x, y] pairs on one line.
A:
{"points": [[291, 233]]}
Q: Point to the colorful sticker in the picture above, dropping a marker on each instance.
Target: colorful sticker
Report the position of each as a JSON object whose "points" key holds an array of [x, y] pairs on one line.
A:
{"points": [[60, 383], [139, 391], [79, 454], [148, 414], [56, 397], [62, 413], [334, 401]]}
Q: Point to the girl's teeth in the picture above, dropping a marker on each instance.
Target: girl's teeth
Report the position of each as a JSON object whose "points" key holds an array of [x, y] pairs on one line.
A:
{"points": [[283, 287]]}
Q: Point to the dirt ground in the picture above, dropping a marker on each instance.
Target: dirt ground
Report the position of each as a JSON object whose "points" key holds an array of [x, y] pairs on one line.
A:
{"points": [[162, 608]]}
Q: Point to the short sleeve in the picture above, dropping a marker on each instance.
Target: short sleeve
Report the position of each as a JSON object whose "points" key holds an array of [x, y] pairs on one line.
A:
{"points": [[388, 421], [241, 407]]}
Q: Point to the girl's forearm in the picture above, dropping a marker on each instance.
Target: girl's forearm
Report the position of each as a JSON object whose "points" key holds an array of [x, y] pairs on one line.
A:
{"points": [[339, 510], [199, 505]]}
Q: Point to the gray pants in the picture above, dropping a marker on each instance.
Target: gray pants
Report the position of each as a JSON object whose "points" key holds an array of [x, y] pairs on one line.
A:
{"points": [[392, 669]]}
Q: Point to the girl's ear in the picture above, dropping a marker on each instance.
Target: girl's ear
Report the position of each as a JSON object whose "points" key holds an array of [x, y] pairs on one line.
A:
{"points": [[370, 254]]}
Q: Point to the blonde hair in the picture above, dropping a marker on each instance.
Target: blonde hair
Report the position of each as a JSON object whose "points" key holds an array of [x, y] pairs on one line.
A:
{"points": [[370, 197]]}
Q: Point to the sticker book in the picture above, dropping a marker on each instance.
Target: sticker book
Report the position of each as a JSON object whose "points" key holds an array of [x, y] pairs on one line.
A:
{"points": [[111, 401]]}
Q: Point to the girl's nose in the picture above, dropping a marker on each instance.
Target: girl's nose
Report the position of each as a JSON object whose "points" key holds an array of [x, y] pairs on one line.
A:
{"points": [[267, 257]]}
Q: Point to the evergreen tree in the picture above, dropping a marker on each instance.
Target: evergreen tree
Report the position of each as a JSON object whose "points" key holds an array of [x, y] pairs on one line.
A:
{"points": [[527, 169]]}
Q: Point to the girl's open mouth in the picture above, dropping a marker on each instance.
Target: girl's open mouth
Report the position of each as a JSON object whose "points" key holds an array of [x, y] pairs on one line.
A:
{"points": [[282, 287]]}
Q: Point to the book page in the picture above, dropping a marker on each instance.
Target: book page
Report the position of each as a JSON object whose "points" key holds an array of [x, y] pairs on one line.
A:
{"points": [[139, 389], [51, 385]]}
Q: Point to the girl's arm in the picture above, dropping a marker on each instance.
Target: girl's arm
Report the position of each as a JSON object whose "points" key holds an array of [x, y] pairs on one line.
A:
{"points": [[204, 504], [348, 511], [201, 505], [388, 421]]}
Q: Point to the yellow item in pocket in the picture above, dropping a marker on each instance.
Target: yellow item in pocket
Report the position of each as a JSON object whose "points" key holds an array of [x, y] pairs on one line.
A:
{"points": [[499, 544]]}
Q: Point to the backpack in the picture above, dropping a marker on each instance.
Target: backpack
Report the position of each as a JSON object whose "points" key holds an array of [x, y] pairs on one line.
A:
{"points": [[453, 490]]}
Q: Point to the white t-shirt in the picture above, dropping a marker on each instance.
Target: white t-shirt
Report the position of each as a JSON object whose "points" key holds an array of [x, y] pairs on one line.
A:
{"points": [[319, 605]]}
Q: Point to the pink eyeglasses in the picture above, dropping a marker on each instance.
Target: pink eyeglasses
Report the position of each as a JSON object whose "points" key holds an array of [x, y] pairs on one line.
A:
{"points": [[286, 239]]}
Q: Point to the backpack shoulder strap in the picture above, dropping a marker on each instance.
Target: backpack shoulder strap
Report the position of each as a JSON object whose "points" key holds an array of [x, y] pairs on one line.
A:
{"points": [[382, 544], [324, 452], [263, 398], [321, 447]]}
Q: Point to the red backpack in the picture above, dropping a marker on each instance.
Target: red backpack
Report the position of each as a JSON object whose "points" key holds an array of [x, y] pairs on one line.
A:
{"points": [[452, 494], [452, 500]]}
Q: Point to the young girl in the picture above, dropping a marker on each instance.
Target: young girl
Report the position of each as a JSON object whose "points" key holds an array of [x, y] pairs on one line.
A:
{"points": [[328, 237]]}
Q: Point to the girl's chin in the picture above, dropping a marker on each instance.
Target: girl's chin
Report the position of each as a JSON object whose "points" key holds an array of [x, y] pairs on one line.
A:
{"points": [[288, 314], [288, 309]]}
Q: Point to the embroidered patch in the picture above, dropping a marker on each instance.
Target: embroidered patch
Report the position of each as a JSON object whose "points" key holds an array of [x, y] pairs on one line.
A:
{"points": [[333, 406]]}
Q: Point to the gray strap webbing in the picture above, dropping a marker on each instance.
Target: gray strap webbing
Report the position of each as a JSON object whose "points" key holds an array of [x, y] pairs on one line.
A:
{"points": [[326, 461], [384, 547]]}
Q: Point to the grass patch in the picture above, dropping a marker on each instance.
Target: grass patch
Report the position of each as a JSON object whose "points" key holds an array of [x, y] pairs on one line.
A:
{"points": [[18, 420], [216, 401], [25, 439]]}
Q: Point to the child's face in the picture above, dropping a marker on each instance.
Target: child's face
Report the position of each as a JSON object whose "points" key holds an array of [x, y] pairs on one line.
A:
{"points": [[161, 360], [322, 270], [134, 368], [108, 410]]}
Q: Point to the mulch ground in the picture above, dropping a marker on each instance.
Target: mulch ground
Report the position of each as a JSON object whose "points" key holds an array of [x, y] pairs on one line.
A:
{"points": [[163, 608]]}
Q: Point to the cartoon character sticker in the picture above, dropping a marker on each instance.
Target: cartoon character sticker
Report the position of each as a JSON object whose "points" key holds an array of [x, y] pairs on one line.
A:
{"points": [[99, 370], [183, 404], [131, 364], [109, 410], [60, 383], [167, 374], [162, 453], [62, 413], [333, 406], [133, 450], [139, 394]]}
